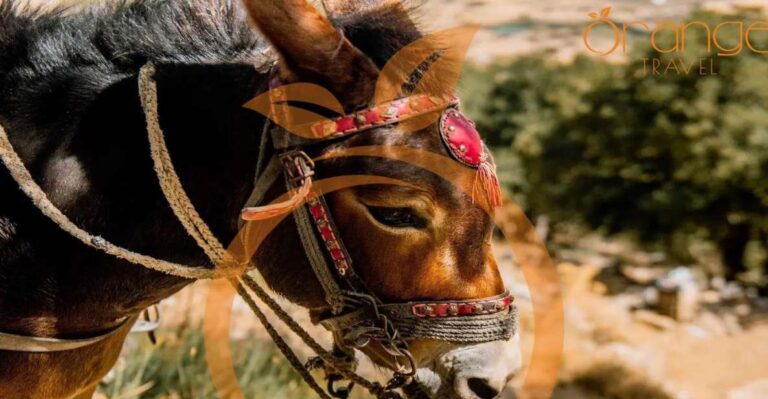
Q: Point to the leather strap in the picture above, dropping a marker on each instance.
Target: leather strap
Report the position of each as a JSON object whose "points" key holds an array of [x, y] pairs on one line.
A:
{"points": [[388, 113], [23, 343]]}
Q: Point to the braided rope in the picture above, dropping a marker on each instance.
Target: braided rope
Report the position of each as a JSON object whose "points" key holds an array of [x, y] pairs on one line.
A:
{"points": [[280, 342], [196, 227], [476, 329], [324, 354], [169, 179], [32, 190]]}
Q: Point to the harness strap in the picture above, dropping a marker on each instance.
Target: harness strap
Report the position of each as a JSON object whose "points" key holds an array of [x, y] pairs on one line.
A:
{"points": [[23, 343], [316, 257]]}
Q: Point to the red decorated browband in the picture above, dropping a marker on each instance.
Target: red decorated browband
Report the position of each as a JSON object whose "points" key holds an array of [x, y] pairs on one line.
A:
{"points": [[384, 114], [457, 132]]}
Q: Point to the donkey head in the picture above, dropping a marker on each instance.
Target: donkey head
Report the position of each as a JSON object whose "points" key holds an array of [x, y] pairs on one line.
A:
{"points": [[426, 240]]}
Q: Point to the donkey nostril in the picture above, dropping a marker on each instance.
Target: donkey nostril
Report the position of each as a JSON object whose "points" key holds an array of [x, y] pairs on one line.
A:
{"points": [[482, 388]]}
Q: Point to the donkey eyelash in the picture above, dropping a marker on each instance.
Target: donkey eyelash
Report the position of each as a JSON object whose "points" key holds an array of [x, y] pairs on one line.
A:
{"points": [[397, 217]]}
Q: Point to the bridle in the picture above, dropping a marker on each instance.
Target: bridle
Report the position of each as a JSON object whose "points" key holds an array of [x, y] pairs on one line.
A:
{"points": [[356, 316]]}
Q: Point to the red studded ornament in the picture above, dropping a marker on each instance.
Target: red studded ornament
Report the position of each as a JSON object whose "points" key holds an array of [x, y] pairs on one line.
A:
{"points": [[457, 132], [465, 145]]}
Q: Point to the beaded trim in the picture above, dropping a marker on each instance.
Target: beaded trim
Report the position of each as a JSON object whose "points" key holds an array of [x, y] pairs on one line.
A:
{"points": [[381, 115], [325, 226], [450, 309]]}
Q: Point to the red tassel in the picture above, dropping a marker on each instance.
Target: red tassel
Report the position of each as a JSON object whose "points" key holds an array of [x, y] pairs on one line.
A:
{"points": [[486, 172], [269, 211]]}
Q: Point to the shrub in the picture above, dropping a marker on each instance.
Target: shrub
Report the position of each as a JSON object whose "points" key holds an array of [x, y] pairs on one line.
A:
{"points": [[654, 155]]}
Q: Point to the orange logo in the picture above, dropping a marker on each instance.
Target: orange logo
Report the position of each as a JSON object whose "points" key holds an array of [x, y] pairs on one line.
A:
{"points": [[724, 39]]}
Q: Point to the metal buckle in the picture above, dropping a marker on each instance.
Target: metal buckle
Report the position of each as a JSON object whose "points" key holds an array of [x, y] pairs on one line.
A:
{"points": [[298, 166]]}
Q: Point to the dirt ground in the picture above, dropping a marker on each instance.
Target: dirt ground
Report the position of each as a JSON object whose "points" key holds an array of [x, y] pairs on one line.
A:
{"points": [[720, 354], [713, 356]]}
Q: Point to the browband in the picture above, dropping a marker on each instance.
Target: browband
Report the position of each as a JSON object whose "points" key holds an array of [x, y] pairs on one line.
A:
{"points": [[384, 114]]}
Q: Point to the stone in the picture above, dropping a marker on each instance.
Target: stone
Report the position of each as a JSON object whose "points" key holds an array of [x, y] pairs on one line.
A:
{"points": [[678, 294], [710, 297], [642, 275], [712, 323], [655, 320], [732, 325]]}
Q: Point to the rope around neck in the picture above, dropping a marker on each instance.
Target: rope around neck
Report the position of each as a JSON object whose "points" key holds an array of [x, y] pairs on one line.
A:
{"points": [[41, 201], [169, 179]]}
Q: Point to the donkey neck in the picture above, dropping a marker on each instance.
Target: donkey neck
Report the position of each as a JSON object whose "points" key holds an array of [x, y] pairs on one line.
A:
{"points": [[100, 174]]}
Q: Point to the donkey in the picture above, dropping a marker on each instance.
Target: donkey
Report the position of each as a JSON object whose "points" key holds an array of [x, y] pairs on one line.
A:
{"points": [[70, 104]]}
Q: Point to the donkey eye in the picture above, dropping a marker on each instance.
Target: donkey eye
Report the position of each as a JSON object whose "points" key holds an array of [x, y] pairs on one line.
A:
{"points": [[397, 217]]}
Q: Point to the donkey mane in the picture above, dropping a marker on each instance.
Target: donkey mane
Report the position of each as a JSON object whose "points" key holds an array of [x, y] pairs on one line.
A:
{"points": [[120, 36], [101, 43]]}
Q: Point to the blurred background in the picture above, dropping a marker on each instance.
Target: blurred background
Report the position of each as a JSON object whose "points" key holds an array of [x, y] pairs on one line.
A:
{"points": [[649, 190]]}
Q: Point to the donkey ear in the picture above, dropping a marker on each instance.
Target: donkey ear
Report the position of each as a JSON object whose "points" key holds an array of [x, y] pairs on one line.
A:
{"points": [[312, 50]]}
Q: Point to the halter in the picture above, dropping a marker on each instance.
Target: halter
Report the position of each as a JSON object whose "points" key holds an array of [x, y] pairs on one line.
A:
{"points": [[357, 317]]}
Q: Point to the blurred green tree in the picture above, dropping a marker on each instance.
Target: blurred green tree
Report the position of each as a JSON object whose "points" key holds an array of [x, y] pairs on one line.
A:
{"points": [[619, 148]]}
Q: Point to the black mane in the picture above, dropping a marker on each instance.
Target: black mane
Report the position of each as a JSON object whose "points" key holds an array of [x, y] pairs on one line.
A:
{"points": [[117, 37], [73, 55], [120, 36], [85, 50]]}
